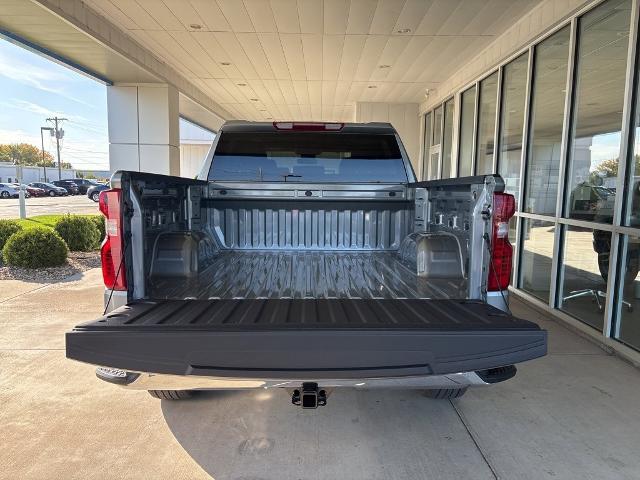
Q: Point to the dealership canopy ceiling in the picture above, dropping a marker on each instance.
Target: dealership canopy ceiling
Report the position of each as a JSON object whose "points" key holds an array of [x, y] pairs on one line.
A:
{"points": [[268, 59]]}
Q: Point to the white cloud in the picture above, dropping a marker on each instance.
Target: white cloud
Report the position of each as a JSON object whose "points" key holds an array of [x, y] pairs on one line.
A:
{"points": [[34, 76]]}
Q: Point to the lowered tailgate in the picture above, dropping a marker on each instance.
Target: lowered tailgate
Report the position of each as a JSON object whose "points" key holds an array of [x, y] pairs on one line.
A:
{"points": [[306, 338]]}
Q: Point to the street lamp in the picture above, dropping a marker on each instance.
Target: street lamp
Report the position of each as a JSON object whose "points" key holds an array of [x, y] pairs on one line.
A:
{"points": [[44, 166]]}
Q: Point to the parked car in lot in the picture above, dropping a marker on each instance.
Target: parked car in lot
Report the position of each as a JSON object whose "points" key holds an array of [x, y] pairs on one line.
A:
{"points": [[50, 189], [9, 190], [27, 193], [308, 259], [68, 185], [84, 184], [34, 191], [94, 192]]}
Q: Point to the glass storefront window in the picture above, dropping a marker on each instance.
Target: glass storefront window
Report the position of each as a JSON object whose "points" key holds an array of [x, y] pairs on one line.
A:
{"points": [[599, 98], [585, 268], [629, 320], [486, 124], [467, 115], [632, 217], [545, 129], [437, 126], [514, 77], [537, 257], [447, 140], [427, 146]]}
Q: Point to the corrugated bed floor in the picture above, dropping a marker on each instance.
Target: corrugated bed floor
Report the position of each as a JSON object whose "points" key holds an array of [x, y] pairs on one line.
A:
{"points": [[262, 274]]}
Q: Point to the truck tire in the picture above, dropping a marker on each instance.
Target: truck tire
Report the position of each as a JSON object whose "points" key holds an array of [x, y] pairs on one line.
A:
{"points": [[171, 394], [445, 393]]}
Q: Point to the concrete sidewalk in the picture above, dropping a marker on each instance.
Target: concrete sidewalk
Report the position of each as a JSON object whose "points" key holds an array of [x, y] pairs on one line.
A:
{"points": [[571, 415]]}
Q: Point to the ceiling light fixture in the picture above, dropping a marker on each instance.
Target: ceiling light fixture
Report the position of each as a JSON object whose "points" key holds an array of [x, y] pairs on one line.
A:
{"points": [[241, 84], [226, 64], [384, 66], [372, 86], [254, 99], [403, 30], [195, 26]]}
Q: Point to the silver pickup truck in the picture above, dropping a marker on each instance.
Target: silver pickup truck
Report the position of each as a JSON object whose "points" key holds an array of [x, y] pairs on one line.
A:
{"points": [[306, 257]]}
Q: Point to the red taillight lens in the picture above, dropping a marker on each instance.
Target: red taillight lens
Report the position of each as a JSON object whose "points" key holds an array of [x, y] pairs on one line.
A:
{"points": [[504, 206], [112, 250]]}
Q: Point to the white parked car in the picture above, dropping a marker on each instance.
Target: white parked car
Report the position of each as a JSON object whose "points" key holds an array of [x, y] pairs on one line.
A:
{"points": [[8, 190]]}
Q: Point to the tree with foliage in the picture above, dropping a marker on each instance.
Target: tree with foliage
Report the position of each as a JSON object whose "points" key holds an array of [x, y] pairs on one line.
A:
{"points": [[609, 168], [26, 154]]}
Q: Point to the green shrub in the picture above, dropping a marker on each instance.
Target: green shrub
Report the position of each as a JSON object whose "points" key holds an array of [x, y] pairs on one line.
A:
{"points": [[8, 228], [98, 220], [80, 233], [35, 248]]}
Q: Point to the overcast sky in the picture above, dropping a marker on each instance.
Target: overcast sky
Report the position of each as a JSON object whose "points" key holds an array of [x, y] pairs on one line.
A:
{"points": [[33, 88]]}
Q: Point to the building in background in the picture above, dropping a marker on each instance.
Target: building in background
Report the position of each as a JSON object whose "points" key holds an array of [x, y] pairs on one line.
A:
{"points": [[195, 143], [10, 173]]}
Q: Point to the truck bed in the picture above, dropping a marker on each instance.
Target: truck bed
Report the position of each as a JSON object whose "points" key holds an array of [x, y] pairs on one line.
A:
{"points": [[318, 274], [313, 338]]}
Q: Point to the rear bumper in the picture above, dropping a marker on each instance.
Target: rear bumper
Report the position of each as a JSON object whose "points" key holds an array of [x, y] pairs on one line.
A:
{"points": [[150, 381]]}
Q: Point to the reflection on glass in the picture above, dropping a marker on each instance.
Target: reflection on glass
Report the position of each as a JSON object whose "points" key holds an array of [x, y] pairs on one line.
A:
{"points": [[585, 268], [599, 98], [467, 113], [486, 124], [514, 77], [427, 146], [629, 330], [632, 217], [437, 126], [537, 256], [547, 113], [447, 139]]}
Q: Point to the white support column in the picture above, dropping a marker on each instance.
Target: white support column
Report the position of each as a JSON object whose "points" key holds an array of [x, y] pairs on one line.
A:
{"points": [[144, 128]]}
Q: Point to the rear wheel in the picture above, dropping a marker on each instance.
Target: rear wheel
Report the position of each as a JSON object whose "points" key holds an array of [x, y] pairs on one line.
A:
{"points": [[95, 196], [52, 193], [445, 393], [5, 194], [171, 394]]}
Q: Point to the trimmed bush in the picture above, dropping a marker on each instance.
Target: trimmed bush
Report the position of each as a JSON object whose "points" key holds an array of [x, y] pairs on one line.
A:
{"points": [[80, 233], [8, 228], [98, 220], [35, 248]]}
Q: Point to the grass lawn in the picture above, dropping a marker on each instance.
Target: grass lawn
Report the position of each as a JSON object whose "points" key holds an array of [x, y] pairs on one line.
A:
{"points": [[43, 220]]}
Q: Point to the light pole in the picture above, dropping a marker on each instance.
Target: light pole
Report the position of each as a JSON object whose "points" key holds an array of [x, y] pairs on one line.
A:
{"points": [[59, 134], [44, 165]]}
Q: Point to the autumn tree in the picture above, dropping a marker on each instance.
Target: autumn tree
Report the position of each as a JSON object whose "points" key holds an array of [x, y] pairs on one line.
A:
{"points": [[27, 155]]}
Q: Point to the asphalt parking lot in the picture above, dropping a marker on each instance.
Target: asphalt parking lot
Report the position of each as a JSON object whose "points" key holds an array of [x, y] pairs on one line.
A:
{"points": [[80, 204], [571, 415]]}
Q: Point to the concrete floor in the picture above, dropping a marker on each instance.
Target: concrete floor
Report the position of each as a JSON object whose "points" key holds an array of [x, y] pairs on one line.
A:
{"points": [[571, 415], [78, 204]]}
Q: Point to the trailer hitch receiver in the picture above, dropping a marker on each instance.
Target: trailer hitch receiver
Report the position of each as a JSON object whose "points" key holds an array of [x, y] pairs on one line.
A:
{"points": [[309, 396]]}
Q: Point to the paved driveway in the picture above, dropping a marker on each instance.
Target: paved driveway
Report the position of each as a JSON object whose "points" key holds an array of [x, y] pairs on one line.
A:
{"points": [[571, 415], [48, 206]]}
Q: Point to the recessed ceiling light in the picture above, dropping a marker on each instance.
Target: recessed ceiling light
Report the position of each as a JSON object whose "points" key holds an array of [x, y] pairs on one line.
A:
{"points": [[226, 64], [254, 99], [384, 66], [241, 84], [372, 86], [195, 26], [403, 30], [262, 110]]}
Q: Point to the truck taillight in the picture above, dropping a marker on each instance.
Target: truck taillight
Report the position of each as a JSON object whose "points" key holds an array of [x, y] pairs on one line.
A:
{"points": [[112, 250], [504, 206]]}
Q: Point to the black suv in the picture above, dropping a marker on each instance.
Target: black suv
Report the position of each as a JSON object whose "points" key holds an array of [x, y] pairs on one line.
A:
{"points": [[84, 184], [69, 185]]}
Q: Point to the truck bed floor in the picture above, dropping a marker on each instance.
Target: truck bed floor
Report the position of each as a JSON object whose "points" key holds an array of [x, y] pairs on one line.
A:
{"points": [[269, 274]]}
